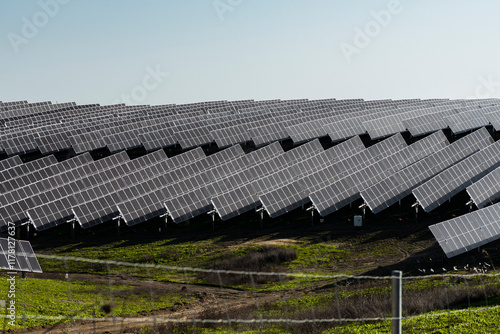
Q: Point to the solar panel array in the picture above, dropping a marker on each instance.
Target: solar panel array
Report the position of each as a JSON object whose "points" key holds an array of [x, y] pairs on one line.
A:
{"points": [[450, 182], [46, 192], [49, 128], [344, 191], [399, 185]]}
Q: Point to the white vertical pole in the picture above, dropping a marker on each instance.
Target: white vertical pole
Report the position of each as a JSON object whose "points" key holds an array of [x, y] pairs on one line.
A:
{"points": [[397, 305]]}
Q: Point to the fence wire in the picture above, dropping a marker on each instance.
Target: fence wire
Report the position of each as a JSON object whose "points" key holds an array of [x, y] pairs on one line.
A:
{"points": [[338, 297]]}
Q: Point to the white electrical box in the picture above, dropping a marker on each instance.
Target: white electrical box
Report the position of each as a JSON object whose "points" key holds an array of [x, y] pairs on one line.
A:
{"points": [[358, 221]]}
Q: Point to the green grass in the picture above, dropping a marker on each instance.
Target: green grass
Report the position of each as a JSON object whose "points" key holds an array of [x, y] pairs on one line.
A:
{"points": [[463, 321], [49, 297], [474, 321]]}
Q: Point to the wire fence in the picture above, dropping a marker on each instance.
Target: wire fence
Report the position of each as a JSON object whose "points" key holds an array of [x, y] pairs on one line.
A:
{"points": [[91, 295]]}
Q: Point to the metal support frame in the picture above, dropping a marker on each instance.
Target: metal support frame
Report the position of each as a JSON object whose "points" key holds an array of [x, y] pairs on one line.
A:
{"points": [[397, 305], [72, 221], [470, 204], [311, 208], [165, 217], [212, 213], [118, 223], [416, 205], [363, 207], [261, 211]]}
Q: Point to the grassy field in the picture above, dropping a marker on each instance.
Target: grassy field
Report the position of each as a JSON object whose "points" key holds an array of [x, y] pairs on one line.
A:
{"points": [[389, 242]]}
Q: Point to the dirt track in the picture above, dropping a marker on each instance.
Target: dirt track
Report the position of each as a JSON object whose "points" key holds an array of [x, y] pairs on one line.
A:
{"points": [[210, 298]]}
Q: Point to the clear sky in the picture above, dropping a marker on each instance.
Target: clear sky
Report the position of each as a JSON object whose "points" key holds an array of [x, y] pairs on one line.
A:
{"points": [[166, 51]]}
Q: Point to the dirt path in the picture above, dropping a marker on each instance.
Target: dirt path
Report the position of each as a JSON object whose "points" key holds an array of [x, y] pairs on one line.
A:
{"points": [[208, 300]]}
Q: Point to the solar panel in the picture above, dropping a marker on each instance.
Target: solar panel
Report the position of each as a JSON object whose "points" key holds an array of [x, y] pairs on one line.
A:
{"points": [[450, 182], [20, 144], [191, 196], [240, 193], [52, 207], [494, 119], [277, 131], [424, 124], [295, 194], [345, 191], [234, 200], [99, 204], [30, 256], [10, 162], [345, 128], [22, 169], [399, 185], [24, 258], [156, 139], [44, 172], [385, 126], [17, 203], [467, 232], [467, 120], [486, 191], [149, 204], [231, 135], [53, 143]]}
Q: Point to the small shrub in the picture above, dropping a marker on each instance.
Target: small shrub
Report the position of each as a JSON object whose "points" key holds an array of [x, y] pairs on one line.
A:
{"points": [[261, 259], [146, 258]]}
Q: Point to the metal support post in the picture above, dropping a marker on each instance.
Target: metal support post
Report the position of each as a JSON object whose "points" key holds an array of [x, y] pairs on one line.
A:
{"points": [[260, 211], [311, 208], [165, 217], [118, 221], [397, 306], [415, 205], [72, 222], [212, 213]]}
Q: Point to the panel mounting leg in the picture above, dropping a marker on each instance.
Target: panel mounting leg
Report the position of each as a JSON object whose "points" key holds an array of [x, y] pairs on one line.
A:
{"points": [[260, 211], [118, 223], [311, 208], [212, 213]]}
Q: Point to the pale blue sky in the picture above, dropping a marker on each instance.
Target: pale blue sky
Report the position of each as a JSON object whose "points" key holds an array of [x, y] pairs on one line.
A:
{"points": [[97, 51]]}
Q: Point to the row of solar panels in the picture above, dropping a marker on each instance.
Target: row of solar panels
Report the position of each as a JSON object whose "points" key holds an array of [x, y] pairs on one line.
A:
{"points": [[48, 128], [86, 128], [18, 255], [49, 193]]}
